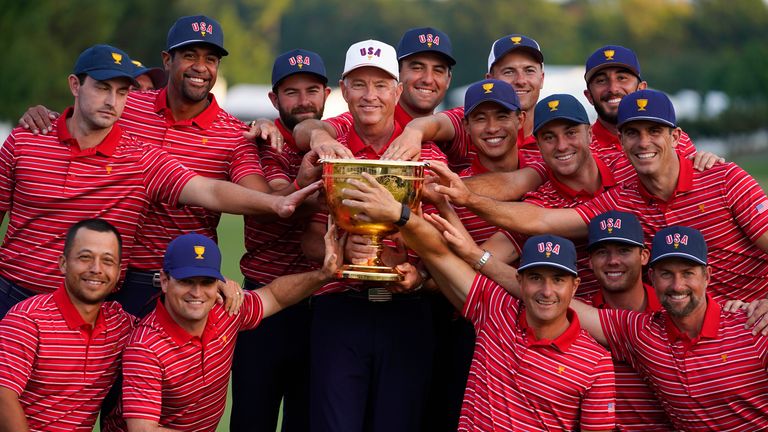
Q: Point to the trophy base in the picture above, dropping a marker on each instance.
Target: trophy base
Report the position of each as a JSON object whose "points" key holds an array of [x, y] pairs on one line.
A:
{"points": [[370, 273]]}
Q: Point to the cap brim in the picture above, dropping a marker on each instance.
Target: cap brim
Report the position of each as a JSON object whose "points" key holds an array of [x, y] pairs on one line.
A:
{"points": [[451, 60], [536, 54], [346, 72], [616, 240], [222, 51], [108, 74], [569, 118], [590, 73], [686, 256], [323, 78], [647, 118], [190, 272], [547, 264], [507, 105]]}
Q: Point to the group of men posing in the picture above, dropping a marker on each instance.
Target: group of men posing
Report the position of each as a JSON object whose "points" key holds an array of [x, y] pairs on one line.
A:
{"points": [[500, 322]]}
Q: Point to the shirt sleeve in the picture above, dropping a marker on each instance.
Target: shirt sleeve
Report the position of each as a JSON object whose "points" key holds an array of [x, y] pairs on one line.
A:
{"points": [[164, 176], [747, 201], [275, 165], [252, 310], [617, 327], [341, 123], [457, 150], [685, 147], [7, 178], [19, 339], [142, 383], [485, 295], [600, 204], [598, 406], [244, 161]]}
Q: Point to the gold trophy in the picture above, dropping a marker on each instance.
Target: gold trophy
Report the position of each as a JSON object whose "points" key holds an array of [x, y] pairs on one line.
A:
{"points": [[403, 179]]}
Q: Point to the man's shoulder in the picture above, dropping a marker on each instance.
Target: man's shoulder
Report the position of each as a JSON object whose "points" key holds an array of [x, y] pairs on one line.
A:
{"points": [[36, 307]]}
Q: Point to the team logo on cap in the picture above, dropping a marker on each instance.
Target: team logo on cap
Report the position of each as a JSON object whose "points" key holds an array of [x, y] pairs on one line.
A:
{"points": [[548, 248], [516, 39], [609, 54], [429, 39], [299, 60], [117, 57], [641, 104], [609, 224], [676, 240], [199, 250], [370, 52], [553, 104], [488, 87], [202, 27], [137, 63]]}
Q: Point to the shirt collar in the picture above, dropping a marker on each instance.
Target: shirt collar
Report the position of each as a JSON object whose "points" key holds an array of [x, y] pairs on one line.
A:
{"points": [[106, 147], [72, 316], [177, 333], [603, 135], [684, 180], [401, 117], [357, 146], [204, 120], [709, 328], [562, 342], [606, 181], [527, 142], [651, 305]]}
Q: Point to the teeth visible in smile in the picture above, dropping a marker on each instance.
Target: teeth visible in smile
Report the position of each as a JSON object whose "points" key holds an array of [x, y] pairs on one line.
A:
{"points": [[545, 303], [93, 282], [645, 155], [565, 157], [614, 100], [493, 140], [678, 296], [195, 301], [427, 91], [614, 274], [197, 80]]}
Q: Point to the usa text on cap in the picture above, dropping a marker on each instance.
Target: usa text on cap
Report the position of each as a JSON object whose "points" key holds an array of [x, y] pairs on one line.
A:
{"points": [[374, 54], [193, 255], [611, 56], [549, 251], [298, 61], [615, 226], [558, 106], [425, 39], [651, 105], [105, 62], [679, 242], [490, 90], [514, 42], [196, 29]]}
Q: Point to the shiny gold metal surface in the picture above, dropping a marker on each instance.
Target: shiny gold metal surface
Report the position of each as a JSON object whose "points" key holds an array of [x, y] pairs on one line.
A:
{"points": [[403, 179]]}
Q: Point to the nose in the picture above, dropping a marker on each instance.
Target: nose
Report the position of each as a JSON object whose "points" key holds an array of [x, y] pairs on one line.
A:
{"points": [[96, 266], [428, 76], [492, 125]]}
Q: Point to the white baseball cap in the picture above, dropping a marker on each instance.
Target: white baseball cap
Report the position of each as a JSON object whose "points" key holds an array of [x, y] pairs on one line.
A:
{"points": [[372, 53]]}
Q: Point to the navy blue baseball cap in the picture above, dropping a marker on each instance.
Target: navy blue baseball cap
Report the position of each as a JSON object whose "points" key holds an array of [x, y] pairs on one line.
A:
{"points": [[425, 39], [490, 90], [105, 62], [298, 61], [196, 29], [651, 105], [157, 75], [551, 251], [612, 56], [615, 226], [681, 242], [514, 42], [193, 255], [558, 106]]}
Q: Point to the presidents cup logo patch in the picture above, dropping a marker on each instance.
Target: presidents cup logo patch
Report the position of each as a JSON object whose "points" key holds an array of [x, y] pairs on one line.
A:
{"points": [[641, 104], [199, 250], [609, 54], [553, 104], [516, 40], [117, 58], [488, 87]]}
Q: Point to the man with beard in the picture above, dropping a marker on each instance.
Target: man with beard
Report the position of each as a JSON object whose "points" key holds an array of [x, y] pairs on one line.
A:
{"points": [[60, 352], [261, 378], [185, 120], [708, 370]]}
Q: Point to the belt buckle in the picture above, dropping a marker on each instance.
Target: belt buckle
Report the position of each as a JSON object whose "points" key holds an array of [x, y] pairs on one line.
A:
{"points": [[156, 280], [379, 295]]}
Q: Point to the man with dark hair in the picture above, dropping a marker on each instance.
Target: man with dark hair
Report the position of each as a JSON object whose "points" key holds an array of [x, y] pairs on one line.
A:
{"points": [[60, 352]]}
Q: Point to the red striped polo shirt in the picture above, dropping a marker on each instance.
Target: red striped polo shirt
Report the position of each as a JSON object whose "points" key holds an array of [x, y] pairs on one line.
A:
{"points": [[210, 144], [61, 367], [613, 169], [273, 249], [461, 151], [429, 151], [176, 379], [725, 203], [604, 141], [47, 184], [716, 381], [517, 382], [637, 408]]}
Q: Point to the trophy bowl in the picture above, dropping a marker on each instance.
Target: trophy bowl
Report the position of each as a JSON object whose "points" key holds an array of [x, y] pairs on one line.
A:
{"points": [[403, 179]]}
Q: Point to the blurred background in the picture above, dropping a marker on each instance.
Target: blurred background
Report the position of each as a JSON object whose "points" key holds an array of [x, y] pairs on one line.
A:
{"points": [[711, 56]]}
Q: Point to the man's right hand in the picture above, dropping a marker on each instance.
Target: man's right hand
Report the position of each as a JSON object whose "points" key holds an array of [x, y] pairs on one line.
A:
{"points": [[327, 147], [450, 184], [38, 119], [407, 146]]}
